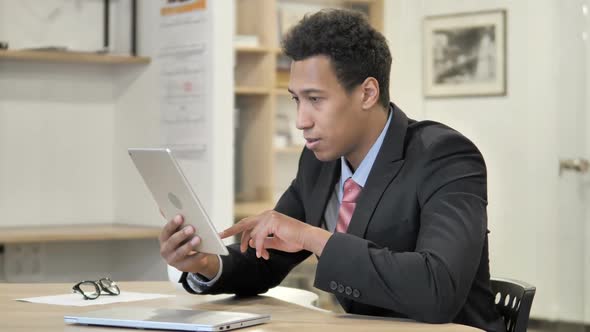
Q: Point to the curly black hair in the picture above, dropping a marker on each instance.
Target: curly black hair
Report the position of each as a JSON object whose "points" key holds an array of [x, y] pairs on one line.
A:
{"points": [[355, 48]]}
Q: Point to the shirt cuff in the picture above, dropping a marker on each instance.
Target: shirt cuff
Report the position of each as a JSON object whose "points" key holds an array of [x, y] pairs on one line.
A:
{"points": [[199, 283]]}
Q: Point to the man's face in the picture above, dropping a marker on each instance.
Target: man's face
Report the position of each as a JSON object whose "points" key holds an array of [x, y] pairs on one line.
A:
{"points": [[332, 121]]}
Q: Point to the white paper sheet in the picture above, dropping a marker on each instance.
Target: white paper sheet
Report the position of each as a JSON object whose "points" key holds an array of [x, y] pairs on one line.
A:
{"points": [[77, 300]]}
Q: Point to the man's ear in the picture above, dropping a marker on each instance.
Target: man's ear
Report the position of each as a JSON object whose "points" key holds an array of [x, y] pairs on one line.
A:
{"points": [[370, 93]]}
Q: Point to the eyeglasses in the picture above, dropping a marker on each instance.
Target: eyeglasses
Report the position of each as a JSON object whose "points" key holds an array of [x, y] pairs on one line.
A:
{"points": [[91, 290]]}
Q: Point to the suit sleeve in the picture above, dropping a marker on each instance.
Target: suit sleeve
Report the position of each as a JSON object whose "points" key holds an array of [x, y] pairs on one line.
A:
{"points": [[430, 284], [244, 274]]}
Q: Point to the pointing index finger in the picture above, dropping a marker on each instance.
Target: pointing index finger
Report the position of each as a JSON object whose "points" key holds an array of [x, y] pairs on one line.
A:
{"points": [[239, 227]]}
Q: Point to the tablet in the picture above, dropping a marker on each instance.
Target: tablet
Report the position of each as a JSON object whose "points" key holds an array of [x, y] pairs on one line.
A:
{"points": [[174, 195]]}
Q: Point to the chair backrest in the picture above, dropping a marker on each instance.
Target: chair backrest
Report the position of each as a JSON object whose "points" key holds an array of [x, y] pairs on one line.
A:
{"points": [[513, 300]]}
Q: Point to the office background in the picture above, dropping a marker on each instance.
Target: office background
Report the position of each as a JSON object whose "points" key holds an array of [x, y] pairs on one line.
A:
{"points": [[64, 128]]}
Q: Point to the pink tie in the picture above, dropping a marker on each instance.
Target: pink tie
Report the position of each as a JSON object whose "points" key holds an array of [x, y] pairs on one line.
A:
{"points": [[351, 192]]}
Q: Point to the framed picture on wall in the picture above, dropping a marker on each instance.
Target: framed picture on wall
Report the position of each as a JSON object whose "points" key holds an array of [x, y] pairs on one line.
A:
{"points": [[465, 54]]}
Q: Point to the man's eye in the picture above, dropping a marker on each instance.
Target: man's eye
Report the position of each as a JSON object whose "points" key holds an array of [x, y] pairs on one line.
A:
{"points": [[295, 99], [314, 99]]}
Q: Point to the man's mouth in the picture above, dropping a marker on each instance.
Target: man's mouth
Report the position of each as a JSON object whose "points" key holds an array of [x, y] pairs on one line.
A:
{"points": [[311, 142]]}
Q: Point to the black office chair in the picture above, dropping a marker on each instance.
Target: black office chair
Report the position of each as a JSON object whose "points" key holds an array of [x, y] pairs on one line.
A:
{"points": [[513, 300]]}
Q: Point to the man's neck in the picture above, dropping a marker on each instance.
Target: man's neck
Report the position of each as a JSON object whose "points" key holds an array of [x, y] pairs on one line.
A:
{"points": [[375, 125]]}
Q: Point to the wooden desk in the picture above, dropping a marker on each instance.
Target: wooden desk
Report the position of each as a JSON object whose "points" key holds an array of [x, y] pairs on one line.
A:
{"points": [[285, 316]]}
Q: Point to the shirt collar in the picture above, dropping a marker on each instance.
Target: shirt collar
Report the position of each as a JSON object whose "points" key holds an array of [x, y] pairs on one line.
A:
{"points": [[362, 173]]}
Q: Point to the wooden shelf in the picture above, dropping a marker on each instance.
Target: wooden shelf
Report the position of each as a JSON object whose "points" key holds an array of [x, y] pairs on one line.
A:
{"points": [[290, 149], [259, 49], [251, 90], [72, 57], [67, 233], [247, 209]]}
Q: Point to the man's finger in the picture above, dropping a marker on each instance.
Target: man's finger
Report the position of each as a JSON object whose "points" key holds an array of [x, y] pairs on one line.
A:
{"points": [[170, 228], [245, 240], [261, 249], [239, 227], [183, 251], [258, 236], [174, 242], [265, 254]]}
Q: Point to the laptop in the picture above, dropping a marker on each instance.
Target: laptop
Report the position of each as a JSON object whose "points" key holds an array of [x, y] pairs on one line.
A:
{"points": [[168, 319]]}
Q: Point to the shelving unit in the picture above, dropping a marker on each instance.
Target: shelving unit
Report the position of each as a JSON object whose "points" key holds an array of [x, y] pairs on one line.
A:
{"points": [[72, 57], [251, 90], [258, 87], [68, 233], [246, 49]]}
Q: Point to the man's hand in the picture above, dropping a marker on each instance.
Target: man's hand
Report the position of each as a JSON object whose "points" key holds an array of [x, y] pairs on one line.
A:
{"points": [[177, 248], [274, 230]]}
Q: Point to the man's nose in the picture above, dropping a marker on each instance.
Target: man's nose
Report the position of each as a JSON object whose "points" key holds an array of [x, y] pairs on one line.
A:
{"points": [[304, 120]]}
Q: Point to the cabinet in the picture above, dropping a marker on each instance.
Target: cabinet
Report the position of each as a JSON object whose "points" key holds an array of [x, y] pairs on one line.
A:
{"points": [[265, 162]]}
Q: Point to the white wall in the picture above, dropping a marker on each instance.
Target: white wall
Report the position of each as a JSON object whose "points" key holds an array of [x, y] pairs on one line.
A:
{"points": [[76, 24], [517, 134], [65, 128], [56, 120], [571, 90]]}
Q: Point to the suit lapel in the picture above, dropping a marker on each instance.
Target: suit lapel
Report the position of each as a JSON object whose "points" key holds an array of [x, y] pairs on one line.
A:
{"points": [[322, 191], [387, 164]]}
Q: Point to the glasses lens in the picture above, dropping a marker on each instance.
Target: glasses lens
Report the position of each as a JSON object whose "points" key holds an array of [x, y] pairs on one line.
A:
{"points": [[109, 286], [88, 289]]}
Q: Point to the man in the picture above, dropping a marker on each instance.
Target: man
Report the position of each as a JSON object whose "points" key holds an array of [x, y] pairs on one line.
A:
{"points": [[394, 209]]}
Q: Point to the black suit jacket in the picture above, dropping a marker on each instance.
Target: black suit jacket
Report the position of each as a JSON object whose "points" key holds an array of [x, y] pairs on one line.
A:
{"points": [[417, 242]]}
